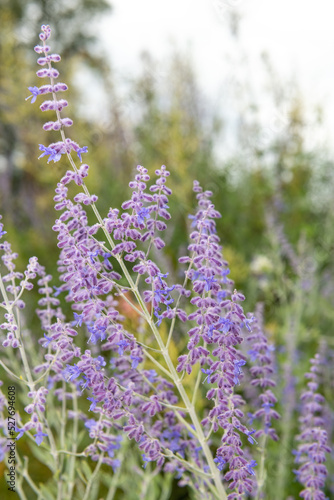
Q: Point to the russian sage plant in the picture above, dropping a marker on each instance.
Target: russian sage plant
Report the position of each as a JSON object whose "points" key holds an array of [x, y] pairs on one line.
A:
{"points": [[124, 380], [311, 453]]}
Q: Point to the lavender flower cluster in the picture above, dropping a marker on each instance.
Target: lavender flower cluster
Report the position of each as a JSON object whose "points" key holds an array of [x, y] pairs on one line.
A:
{"points": [[311, 452], [126, 371]]}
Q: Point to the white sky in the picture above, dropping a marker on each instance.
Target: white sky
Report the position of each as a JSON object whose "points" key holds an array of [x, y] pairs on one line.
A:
{"points": [[298, 35]]}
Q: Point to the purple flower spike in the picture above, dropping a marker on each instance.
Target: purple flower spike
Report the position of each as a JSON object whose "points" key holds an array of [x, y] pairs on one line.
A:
{"points": [[220, 463], [311, 453], [105, 348], [34, 93], [261, 357]]}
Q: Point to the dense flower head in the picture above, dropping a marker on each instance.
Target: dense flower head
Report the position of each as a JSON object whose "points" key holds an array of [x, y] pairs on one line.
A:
{"points": [[311, 452], [114, 381], [112, 371], [214, 339]]}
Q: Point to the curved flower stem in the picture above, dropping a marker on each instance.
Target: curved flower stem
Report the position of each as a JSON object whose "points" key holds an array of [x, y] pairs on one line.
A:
{"points": [[20, 379], [70, 454], [9, 308], [186, 424], [210, 432], [20, 491]]}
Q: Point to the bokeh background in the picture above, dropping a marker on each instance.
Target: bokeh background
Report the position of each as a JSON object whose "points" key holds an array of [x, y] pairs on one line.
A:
{"points": [[235, 94]]}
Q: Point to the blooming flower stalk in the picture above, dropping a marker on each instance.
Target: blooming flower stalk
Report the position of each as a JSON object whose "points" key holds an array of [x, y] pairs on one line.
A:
{"points": [[114, 379], [311, 452], [89, 280]]}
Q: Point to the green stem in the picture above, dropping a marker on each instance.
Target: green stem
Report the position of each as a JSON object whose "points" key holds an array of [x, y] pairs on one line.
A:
{"points": [[74, 445], [27, 477], [188, 465], [62, 438], [198, 381], [262, 475], [292, 328]]}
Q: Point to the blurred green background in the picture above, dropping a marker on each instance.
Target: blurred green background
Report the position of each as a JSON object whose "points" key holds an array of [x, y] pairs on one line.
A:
{"points": [[274, 194]]}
